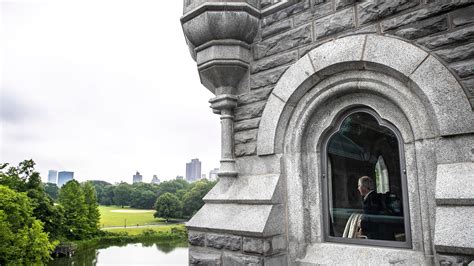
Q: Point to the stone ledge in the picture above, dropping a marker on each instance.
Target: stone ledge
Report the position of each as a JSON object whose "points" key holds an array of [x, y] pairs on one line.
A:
{"points": [[454, 230], [246, 189], [455, 184], [239, 219]]}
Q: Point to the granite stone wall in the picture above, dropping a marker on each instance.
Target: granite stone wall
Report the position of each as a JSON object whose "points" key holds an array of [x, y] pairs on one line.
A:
{"points": [[445, 28]]}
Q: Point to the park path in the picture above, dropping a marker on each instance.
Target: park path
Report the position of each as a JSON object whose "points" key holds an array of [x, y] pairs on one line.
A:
{"points": [[137, 226]]}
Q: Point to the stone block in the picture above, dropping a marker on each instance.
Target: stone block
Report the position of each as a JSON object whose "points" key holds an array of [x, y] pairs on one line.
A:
{"points": [[231, 259], [268, 125], [246, 136], [314, 13], [285, 13], [254, 96], [283, 42], [204, 257], [423, 28], [219, 241], [276, 28], [246, 124], [431, 10], [456, 54], [365, 30], [239, 219], [246, 189], [408, 56], [249, 111], [463, 68], [457, 36], [469, 85], [455, 184], [253, 245], [453, 230], [265, 3], [246, 149], [334, 23], [451, 107], [196, 238], [274, 61], [455, 149], [463, 16], [266, 78], [339, 4], [374, 10]]}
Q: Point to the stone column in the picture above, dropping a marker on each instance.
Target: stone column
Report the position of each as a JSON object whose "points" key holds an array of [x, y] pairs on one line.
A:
{"points": [[225, 104]]}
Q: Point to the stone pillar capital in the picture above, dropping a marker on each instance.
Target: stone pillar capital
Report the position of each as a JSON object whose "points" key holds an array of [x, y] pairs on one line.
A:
{"points": [[223, 102]]}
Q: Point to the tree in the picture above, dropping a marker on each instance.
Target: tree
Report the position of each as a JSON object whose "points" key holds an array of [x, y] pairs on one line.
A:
{"points": [[52, 190], [122, 194], [93, 214], [143, 199], [171, 186], [22, 239], [71, 197], [192, 200], [167, 206]]}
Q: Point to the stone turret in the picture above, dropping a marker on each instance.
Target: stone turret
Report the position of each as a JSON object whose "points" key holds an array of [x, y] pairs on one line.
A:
{"points": [[289, 76]]}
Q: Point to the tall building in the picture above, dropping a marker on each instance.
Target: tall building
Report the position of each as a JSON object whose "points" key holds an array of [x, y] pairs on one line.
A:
{"points": [[193, 170], [137, 178], [155, 180], [213, 174], [53, 176], [64, 177]]}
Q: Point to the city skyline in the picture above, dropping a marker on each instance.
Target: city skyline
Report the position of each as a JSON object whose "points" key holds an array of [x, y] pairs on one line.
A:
{"points": [[103, 97]]}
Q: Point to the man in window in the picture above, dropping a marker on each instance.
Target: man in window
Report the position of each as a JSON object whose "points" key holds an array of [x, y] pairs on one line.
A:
{"points": [[372, 224]]}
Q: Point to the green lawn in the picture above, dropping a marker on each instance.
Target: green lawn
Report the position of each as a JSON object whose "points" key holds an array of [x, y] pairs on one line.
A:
{"points": [[115, 216], [136, 231]]}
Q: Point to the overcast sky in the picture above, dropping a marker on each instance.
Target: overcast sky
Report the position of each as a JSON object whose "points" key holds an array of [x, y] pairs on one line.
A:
{"points": [[102, 88]]}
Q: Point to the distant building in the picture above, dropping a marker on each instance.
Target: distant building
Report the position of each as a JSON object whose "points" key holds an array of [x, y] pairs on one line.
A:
{"points": [[193, 170], [203, 176], [179, 177], [53, 176], [64, 177], [213, 174], [137, 178], [155, 180]]}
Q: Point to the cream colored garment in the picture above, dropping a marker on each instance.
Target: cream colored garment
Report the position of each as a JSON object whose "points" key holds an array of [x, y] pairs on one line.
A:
{"points": [[352, 225]]}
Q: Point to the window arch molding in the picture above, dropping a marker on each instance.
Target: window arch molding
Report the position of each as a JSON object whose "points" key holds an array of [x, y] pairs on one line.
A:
{"points": [[330, 133]]}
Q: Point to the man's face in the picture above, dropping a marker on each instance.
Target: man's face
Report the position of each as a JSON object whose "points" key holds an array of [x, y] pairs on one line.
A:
{"points": [[362, 190]]}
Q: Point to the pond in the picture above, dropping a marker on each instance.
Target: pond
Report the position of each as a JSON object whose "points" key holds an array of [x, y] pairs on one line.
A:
{"points": [[129, 254]]}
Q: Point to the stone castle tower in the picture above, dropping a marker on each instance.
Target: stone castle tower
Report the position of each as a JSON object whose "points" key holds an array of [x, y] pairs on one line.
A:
{"points": [[314, 94]]}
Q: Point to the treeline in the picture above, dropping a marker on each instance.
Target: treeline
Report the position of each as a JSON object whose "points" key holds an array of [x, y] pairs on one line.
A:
{"points": [[31, 225]]}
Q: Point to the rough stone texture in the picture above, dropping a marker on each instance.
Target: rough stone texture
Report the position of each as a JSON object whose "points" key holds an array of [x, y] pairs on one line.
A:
{"points": [[343, 3], [423, 28], [433, 9], [463, 16], [254, 96], [283, 42], [253, 245], [219, 241], [335, 23], [455, 184], [452, 227], [314, 13], [204, 257], [274, 61], [249, 111], [276, 28], [454, 260], [463, 68], [266, 78], [372, 10], [368, 29], [457, 36], [196, 238], [239, 260], [246, 136], [469, 84], [246, 124], [457, 54], [245, 149], [289, 11], [265, 3]]}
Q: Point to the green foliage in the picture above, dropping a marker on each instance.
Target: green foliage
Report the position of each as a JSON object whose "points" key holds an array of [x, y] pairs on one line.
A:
{"points": [[93, 214], [167, 206], [22, 239], [143, 199], [52, 190], [192, 200], [122, 194]]}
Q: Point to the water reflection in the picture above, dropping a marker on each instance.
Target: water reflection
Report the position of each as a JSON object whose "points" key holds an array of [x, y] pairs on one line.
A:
{"points": [[147, 253]]}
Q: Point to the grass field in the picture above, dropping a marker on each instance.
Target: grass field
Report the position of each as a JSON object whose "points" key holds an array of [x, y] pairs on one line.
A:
{"points": [[139, 230], [117, 216]]}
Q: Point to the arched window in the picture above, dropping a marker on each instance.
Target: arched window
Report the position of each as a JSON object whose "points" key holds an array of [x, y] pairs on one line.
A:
{"points": [[364, 182]]}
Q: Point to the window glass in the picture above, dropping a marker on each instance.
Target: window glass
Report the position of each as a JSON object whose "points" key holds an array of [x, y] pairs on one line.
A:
{"points": [[365, 192]]}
